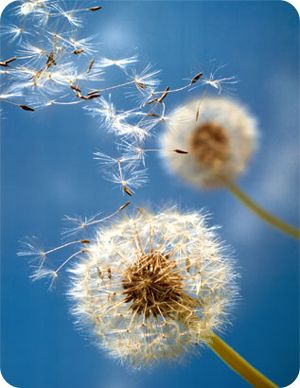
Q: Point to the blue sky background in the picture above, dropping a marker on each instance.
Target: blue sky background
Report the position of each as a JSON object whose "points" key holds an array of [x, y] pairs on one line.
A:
{"points": [[48, 171]]}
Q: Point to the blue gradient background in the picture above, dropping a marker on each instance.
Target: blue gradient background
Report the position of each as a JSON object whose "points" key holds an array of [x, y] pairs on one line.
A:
{"points": [[48, 171]]}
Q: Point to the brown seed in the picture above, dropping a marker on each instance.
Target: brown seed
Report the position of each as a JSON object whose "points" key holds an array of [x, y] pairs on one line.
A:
{"points": [[164, 95], [90, 97], [196, 78], [124, 206], [93, 92], [27, 108], [153, 115], [50, 61], [8, 61], [78, 51], [75, 88], [85, 241], [91, 64], [181, 151], [140, 85], [127, 191], [94, 9]]}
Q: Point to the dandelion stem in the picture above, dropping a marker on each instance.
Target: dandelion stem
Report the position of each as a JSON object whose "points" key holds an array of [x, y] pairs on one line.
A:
{"points": [[267, 217], [239, 364]]}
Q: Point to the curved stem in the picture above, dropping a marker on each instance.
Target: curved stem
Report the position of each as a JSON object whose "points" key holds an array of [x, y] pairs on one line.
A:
{"points": [[267, 217], [239, 364]]}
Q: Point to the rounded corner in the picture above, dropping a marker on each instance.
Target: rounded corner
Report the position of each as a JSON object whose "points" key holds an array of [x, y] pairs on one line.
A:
{"points": [[5, 5], [295, 382], [4, 381], [293, 5]]}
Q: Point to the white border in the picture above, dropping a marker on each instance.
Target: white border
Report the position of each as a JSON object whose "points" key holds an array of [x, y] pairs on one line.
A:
{"points": [[3, 5], [293, 3], [4, 383]]}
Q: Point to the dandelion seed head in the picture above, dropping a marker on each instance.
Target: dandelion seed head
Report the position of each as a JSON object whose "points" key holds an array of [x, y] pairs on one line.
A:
{"points": [[151, 286], [219, 135]]}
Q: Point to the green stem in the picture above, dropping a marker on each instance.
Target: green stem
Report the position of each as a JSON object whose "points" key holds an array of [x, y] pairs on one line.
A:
{"points": [[239, 364], [267, 217]]}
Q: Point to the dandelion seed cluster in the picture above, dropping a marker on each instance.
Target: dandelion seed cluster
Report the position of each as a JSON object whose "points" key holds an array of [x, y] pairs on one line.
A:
{"points": [[151, 286], [54, 62], [220, 136]]}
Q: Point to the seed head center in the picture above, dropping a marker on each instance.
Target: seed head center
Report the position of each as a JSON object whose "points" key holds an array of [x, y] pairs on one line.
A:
{"points": [[152, 285], [209, 144]]}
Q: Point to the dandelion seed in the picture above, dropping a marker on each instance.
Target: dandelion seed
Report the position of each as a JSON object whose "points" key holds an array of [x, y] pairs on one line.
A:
{"points": [[28, 7], [78, 51], [10, 91], [13, 32], [196, 78], [89, 96], [153, 115], [181, 152], [217, 82], [127, 177], [7, 61], [93, 92], [126, 204], [133, 152], [43, 273], [146, 78], [80, 225], [91, 65], [122, 63], [120, 123], [108, 161], [50, 60], [27, 108], [94, 9], [75, 88], [31, 247], [132, 285], [32, 52], [127, 191], [161, 98], [69, 15]]}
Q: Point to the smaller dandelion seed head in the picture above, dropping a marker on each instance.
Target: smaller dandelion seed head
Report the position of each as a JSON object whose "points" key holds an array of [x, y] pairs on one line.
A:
{"points": [[152, 285], [219, 135]]}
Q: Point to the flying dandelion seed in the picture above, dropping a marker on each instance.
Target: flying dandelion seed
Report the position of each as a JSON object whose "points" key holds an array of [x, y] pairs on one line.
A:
{"points": [[220, 137], [153, 285]]}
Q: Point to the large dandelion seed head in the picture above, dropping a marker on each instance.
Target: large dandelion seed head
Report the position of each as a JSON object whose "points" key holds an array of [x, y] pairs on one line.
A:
{"points": [[220, 136], [152, 286]]}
